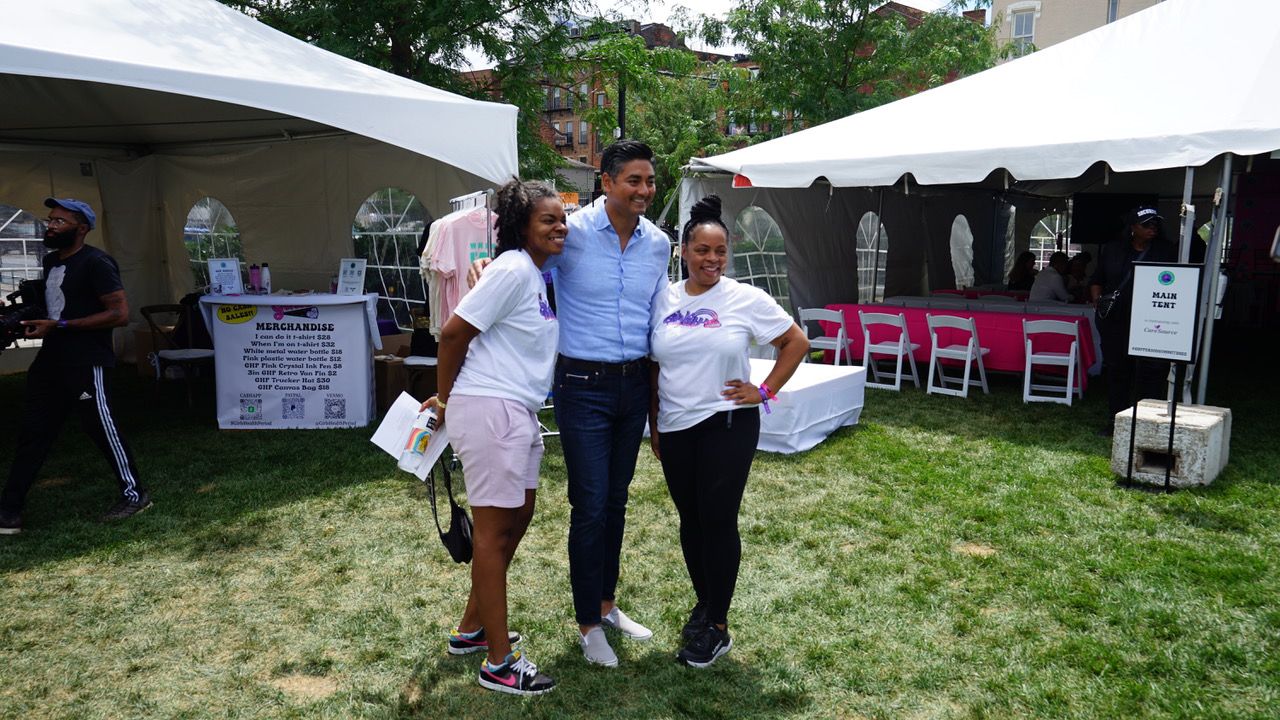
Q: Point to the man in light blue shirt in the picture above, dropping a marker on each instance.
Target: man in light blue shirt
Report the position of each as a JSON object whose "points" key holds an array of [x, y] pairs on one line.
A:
{"points": [[614, 263]]}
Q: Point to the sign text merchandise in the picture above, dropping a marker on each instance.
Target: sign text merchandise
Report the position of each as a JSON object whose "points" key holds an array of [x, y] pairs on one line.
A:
{"points": [[292, 366]]}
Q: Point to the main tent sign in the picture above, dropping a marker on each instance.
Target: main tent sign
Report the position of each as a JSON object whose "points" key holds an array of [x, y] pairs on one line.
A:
{"points": [[1166, 300]]}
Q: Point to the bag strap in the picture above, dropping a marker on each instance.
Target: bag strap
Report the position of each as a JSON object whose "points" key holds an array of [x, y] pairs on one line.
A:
{"points": [[431, 490]]}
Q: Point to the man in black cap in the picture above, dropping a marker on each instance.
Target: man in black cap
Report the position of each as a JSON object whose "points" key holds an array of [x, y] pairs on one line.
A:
{"points": [[85, 300], [1142, 240]]}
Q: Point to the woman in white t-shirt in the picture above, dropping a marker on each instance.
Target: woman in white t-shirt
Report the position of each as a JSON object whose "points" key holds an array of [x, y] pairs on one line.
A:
{"points": [[496, 360], [705, 418]]}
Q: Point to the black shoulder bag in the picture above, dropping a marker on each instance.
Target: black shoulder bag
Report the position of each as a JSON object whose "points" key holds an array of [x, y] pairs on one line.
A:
{"points": [[457, 539], [1107, 303]]}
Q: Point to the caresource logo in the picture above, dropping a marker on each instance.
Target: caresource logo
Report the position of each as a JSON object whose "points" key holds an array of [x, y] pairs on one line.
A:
{"points": [[1165, 278]]}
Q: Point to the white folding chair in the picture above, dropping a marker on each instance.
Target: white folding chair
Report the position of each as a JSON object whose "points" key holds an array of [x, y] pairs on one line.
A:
{"points": [[1070, 360], [897, 348], [839, 343], [968, 352]]}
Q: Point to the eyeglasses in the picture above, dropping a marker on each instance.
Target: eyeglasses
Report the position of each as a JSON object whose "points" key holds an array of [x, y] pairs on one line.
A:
{"points": [[58, 222]]}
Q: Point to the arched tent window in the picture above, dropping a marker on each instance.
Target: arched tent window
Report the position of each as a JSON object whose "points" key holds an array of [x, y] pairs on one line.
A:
{"points": [[210, 232], [1048, 232], [386, 231], [873, 255], [21, 247], [758, 255], [962, 252]]}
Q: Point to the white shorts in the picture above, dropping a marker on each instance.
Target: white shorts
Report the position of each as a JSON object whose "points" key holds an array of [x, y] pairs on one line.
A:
{"points": [[500, 446]]}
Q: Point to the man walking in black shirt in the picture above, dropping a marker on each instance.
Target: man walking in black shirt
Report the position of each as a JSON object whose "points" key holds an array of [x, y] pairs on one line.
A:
{"points": [[85, 300]]}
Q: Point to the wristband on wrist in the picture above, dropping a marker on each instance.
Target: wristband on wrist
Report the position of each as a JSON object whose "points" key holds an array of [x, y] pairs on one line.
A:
{"points": [[441, 404], [767, 392], [62, 325], [764, 398]]}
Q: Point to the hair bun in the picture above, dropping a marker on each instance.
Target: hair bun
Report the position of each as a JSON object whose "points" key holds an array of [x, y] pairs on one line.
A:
{"points": [[708, 208]]}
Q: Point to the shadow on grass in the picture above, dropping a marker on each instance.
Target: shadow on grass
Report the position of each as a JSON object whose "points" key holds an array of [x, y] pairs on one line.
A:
{"points": [[204, 481], [729, 689]]}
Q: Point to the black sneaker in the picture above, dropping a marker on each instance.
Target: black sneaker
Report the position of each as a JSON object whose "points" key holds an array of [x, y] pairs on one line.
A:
{"points": [[706, 647], [10, 524], [697, 618], [127, 508], [460, 644], [516, 676]]}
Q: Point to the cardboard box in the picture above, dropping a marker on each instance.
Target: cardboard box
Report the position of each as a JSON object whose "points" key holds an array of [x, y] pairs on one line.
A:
{"points": [[389, 380], [397, 344]]}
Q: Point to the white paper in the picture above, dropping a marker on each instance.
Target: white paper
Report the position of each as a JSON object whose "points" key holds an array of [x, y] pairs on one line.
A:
{"points": [[351, 276], [224, 277], [397, 424]]}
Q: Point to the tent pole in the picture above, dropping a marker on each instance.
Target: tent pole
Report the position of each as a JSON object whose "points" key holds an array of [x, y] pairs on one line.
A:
{"points": [[1188, 217], [1212, 273]]}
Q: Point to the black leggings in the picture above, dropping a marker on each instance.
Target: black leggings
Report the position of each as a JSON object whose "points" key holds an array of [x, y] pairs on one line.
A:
{"points": [[706, 467]]}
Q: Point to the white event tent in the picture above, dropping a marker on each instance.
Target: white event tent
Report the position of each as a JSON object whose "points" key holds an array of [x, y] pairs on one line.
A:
{"points": [[1118, 111], [143, 107]]}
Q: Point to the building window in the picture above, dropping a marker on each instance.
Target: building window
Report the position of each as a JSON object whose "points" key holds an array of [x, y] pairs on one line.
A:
{"points": [[555, 98], [568, 133], [873, 255], [582, 133], [599, 99], [385, 231], [1024, 31], [759, 258], [210, 232], [962, 252]]}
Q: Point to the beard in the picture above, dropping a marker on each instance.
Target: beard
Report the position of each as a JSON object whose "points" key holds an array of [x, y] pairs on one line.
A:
{"points": [[59, 240]]}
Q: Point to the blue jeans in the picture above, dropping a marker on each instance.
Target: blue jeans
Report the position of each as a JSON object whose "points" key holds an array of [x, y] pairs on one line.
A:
{"points": [[601, 419]]}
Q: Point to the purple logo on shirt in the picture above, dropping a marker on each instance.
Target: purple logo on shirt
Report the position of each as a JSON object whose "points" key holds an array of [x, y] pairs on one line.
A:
{"points": [[544, 309], [702, 317]]}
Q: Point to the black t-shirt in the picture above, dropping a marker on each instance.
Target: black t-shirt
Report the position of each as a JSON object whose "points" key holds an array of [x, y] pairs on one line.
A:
{"points": [[73, 289]]}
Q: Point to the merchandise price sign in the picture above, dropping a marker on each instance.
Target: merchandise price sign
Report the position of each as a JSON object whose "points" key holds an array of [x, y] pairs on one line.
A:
{"points": [[292, 366]]}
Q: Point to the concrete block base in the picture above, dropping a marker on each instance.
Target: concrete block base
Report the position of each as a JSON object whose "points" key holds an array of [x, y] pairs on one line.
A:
{"points": [[1201, 444]]}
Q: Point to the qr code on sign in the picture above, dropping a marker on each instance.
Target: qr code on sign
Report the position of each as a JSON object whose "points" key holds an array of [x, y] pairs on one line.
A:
{"points": [[250, 407], [335, 409], [293, 407]]}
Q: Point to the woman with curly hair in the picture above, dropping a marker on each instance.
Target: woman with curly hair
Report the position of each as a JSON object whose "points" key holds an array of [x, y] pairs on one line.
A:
{"points": [[497, 356], [705, 415]]}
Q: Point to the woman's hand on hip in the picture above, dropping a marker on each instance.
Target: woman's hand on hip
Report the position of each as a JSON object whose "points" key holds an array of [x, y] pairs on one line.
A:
{"points": [[741, 393]]}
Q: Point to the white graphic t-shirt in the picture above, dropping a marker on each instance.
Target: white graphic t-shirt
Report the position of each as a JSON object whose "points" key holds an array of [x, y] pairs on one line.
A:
{"points": [[514, 355], [701, 341]]}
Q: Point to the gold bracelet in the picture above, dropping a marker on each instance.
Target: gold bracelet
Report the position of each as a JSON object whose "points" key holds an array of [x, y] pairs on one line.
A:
{"points": [[440, 403]]}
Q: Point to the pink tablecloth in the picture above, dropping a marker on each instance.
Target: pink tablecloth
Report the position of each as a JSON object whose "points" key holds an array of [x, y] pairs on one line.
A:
{"points": [[976, 294], [1001, 333]]}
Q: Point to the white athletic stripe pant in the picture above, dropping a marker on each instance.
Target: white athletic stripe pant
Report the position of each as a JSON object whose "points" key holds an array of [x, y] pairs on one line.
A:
{"points": [[53, 392]]}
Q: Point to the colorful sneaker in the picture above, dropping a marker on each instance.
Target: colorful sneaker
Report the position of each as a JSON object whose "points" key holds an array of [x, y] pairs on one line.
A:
{"points": [[596, 649], [467, 643], [618, 620], [10, 524], [697, 618], [516, 676], [706, 647], [127, 508]]}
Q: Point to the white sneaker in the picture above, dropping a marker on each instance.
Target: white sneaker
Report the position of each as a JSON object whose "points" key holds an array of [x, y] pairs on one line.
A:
{"points": [[618, 620], [595, 648]]}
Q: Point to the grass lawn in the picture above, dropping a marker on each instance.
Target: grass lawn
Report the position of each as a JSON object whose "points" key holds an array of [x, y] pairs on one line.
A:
{"points": [[946, 558]]}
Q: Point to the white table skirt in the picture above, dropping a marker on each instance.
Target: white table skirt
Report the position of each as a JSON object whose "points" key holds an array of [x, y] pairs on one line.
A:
{"points": [[816, 401]]}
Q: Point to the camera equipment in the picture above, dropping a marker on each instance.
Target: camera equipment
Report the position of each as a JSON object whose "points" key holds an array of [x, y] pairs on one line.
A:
{"points": [[25, 303]]}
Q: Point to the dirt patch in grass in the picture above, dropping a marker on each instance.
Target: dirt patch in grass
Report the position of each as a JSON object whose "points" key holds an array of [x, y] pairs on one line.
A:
{"points": [[205, 488], [305, 687], [53, 482], [973, 549]]}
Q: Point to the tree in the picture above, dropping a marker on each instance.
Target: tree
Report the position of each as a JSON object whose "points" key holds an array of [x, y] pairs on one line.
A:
{"points": [[824, 59], [426, 41]]}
